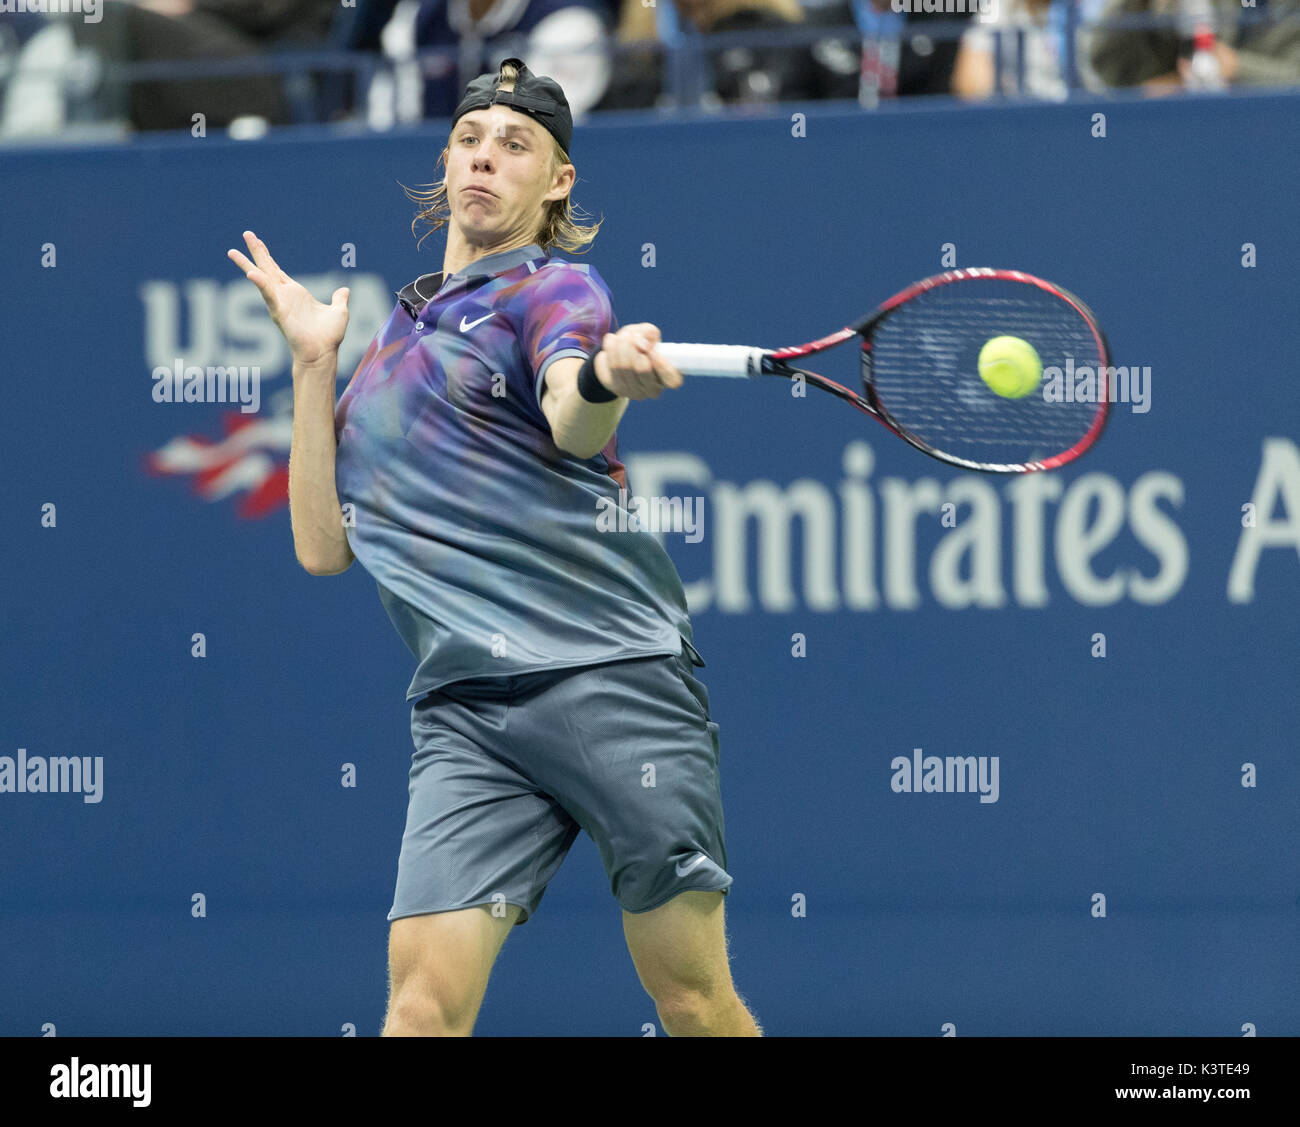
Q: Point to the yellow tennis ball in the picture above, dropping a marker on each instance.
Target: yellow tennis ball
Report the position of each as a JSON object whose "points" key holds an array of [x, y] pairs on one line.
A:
{"points": [[1010, 366]]}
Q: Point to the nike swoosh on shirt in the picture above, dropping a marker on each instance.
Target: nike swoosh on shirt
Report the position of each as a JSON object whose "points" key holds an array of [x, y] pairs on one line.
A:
{"points": [[465, 325], [682, 870]]}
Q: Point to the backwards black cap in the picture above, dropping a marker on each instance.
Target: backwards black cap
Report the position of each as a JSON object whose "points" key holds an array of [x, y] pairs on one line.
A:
{"points": [[534, 94]]}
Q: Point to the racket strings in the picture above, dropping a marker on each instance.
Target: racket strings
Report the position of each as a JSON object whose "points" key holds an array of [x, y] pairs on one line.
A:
{"points": [[924, 364]]}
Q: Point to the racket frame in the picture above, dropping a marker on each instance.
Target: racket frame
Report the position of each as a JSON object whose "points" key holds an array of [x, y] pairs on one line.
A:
{"points": [[777, 362]]}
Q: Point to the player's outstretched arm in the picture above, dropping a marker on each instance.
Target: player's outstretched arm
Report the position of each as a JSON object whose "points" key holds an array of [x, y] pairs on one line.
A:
{"points": [[626, 365], [314, 332]]}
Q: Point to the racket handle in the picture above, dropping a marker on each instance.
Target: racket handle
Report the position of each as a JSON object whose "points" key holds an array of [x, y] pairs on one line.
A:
{"points": [[736, 360]]}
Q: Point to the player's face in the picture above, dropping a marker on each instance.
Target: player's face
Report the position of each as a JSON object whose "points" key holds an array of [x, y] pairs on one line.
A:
{"points": [[498, 175]]}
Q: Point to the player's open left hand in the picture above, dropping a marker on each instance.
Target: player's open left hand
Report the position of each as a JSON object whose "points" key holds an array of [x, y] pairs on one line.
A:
{"points": [[628, 364], [314, 330]]}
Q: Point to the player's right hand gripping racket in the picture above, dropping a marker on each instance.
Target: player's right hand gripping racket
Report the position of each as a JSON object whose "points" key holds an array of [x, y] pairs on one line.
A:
{"points": [[920, 369]]}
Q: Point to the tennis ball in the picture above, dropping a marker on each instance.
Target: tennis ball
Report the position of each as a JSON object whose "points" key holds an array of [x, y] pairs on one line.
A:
{"points": [[1010, 366]]}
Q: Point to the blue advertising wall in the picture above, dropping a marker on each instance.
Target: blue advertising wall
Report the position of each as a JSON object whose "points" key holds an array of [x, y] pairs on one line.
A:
{"points": [[1136, 870]]}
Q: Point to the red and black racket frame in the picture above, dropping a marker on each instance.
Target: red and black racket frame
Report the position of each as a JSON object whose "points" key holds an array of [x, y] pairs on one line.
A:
{"points": [[777, 363]]}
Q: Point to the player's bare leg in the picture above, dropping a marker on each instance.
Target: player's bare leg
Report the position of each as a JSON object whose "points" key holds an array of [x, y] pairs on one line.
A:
{"points": [[680, 952], [438, 968]]}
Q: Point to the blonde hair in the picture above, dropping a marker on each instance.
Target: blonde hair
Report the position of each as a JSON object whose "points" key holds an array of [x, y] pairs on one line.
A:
{"points": [[561, 226]]}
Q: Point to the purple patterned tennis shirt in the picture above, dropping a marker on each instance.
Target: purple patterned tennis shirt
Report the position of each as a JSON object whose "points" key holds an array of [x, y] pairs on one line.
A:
{"points": [[482, 534]]}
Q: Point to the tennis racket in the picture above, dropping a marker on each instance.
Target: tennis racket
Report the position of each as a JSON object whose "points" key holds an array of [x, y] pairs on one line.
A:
{"points": [[919, 355]]}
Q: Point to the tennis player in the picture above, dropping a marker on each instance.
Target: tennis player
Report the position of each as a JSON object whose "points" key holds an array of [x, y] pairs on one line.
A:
{"points": [[467, 466]]}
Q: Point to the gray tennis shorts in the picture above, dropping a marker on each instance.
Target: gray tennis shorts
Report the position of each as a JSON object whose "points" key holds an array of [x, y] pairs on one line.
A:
{"points": [[507, 770]]}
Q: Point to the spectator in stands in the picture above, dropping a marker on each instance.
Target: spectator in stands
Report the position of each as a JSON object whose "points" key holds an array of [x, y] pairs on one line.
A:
{"points": [[32, 49], [748, 75], [1254, 54], [1041, 27], [927, 47], [566, 39], [180, 30]]}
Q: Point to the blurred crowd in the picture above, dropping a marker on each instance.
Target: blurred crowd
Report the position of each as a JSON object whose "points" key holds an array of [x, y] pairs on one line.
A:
{"points": [[272, 62]]}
